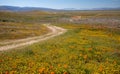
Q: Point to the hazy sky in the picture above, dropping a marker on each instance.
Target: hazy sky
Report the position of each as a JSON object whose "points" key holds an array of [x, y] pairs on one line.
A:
{"points": [[59, 4]]}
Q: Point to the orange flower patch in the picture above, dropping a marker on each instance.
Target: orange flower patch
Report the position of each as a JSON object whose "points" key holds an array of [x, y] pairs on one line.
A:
{"points": [[52, 73], [85, 56], [80, 55], [101, 68], [90, 49], [59, 65], [41, 70], [65, 66], [51, 67], [65, 73]]}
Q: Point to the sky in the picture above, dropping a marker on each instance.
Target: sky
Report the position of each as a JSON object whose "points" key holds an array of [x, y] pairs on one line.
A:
{"points": [[61, 4]]}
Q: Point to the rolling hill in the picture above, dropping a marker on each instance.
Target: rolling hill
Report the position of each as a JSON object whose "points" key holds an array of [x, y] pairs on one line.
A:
{"points": [[17, 9]]}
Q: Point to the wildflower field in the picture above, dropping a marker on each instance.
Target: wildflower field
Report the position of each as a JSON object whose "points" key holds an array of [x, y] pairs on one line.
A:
{"points": [[83, 49]]}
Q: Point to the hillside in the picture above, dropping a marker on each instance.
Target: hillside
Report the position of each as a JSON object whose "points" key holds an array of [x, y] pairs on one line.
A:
{"points": [[17, 9], [91, 44]]}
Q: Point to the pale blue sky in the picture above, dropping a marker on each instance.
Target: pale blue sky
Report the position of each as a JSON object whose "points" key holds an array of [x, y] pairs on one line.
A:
{"points": [[59, 4]]}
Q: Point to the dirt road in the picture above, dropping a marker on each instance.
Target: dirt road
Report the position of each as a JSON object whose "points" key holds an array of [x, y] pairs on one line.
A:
{"points": [[55, 31]]}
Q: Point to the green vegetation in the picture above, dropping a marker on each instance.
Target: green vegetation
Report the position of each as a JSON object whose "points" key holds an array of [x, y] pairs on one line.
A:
{"points": [[83, 49]]}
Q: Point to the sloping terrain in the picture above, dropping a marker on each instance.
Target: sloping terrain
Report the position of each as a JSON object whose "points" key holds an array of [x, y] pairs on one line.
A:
{"points": [[22, 42]]}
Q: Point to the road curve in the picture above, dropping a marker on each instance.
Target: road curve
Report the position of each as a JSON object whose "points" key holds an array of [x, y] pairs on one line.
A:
{"points": [[55, 31]]}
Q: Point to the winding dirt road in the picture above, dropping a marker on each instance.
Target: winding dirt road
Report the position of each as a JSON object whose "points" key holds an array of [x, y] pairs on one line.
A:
{"points": [[55, 31]]}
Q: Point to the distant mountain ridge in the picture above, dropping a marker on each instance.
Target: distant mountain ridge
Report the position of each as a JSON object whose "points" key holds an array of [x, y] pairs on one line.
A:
{"points": [[118, 8], [16, 8]]}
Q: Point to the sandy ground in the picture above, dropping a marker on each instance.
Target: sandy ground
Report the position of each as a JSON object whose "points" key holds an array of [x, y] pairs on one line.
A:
{"points": [[55, 31]]}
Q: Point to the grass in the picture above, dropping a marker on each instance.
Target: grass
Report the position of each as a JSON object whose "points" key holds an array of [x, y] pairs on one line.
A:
{"points": [[12, 30], [84, 49]]}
